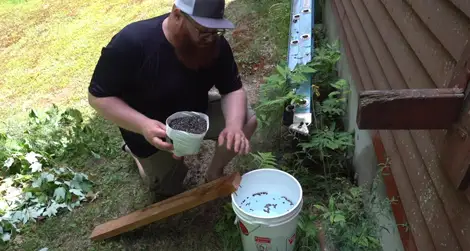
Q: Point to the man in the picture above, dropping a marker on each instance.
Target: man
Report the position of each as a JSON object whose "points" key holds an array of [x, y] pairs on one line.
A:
{"points": [[156, 67]]}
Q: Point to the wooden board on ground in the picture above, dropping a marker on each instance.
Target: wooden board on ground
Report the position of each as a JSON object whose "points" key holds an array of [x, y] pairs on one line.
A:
{"points": [[210, 191]]}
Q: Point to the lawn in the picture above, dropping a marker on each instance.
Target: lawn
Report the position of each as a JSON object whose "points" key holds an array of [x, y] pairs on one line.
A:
{"points": [[48, 51]]}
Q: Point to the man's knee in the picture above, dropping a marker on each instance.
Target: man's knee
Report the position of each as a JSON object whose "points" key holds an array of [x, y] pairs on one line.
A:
{"points": [[251, 125]]}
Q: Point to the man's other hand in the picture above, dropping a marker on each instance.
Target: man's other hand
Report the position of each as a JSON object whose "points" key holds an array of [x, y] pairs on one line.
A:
{"points": [[235, 140]]}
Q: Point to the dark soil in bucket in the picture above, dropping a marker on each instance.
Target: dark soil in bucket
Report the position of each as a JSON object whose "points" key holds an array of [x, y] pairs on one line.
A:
{"points": [[191, 124]]}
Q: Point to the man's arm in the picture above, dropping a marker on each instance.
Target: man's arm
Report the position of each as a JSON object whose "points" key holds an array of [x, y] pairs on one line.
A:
{"points": [[234, 108], [117, 111]]}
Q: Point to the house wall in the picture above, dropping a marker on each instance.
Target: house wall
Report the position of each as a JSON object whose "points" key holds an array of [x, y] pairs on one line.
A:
{"points": [[400, 44], [364, 160]]}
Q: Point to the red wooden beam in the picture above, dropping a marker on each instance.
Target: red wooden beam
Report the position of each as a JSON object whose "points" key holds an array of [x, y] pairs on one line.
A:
{"points": [[392, 193]]}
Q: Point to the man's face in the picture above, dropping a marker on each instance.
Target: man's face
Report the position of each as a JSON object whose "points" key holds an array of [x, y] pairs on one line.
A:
{"points": [[200, 36]]}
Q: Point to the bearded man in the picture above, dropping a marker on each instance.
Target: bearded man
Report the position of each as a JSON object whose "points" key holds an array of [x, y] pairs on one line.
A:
{"points": [[156, 67]]}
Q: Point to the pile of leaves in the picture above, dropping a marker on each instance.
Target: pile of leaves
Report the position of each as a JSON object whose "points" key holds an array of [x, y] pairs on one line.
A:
{"points": [[35, 181]]}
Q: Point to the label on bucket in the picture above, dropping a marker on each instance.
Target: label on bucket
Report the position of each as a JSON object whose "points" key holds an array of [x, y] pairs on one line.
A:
{"points": [[243, 229], [263, 243], [292, 239]]}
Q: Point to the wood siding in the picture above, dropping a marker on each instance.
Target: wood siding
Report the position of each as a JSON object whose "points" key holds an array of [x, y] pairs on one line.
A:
{"points": [[416, 44]]}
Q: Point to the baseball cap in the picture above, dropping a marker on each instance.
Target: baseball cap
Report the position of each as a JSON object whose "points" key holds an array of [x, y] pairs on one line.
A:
{"points": [[207, 13]]}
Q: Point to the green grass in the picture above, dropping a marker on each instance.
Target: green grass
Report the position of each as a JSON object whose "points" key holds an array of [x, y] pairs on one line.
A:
{"points": [[48, 51]]}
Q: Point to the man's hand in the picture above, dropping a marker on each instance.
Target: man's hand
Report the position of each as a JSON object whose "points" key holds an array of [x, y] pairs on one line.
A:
{"points": [[236, 140], [154, 132]]}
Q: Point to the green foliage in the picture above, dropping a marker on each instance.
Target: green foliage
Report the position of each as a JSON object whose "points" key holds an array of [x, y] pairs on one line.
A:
{"points": [[307, 234], [63, 135], [228, 231], [264, 160], [347, 222], [277, 91], [324, 62], [34, 182]]}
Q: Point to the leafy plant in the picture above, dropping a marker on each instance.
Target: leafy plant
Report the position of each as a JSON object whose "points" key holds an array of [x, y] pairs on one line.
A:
{"points": [[277, 91], [308, 232], [324, 62], [264, 160], [34, 181], [347, 223], [227, 230]]}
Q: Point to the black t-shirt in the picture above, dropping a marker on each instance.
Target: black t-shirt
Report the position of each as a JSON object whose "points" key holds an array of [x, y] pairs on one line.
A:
{"points": [[140, 66]]}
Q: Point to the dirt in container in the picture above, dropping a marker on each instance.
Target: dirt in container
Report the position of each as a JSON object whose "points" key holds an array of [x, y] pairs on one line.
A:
{"points": [[191, 124]]}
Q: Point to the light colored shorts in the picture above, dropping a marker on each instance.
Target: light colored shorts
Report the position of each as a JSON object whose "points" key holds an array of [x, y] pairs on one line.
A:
{"points": [[164, 174]]}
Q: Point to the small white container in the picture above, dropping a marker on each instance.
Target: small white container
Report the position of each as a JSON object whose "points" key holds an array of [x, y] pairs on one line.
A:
{"points": [[185, 143]]}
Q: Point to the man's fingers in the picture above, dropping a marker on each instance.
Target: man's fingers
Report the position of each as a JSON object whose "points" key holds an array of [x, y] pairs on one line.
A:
{"points": [[229, 141], [160, 144], [238, 143], [247, 146], [221, 138], [160, 133]]}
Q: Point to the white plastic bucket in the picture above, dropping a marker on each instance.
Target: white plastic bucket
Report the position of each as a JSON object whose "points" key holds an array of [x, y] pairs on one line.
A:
{"points": [[185, 143], [263, 226]]}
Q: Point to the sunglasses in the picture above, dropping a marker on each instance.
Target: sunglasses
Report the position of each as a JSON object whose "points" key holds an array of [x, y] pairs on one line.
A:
{"points": [[203, 32]]}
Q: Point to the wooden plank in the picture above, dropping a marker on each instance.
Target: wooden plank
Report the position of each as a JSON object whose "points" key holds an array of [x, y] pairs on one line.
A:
{"points": [[462, 5], [349, 57], [398, 76], [416, 221], [410, 67], [174, 205], [358, 58], [409, 109], [393, 194], [435, 59], [446, 22], [431, 206], [455, 204], [373, 66]]}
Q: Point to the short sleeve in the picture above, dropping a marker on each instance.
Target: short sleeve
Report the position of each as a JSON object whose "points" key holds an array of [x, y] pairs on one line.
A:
{"points": [[228, 78], [117, 67]]}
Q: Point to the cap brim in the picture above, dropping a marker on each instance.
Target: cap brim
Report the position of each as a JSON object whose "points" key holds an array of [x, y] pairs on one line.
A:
{"points": [[212, 23]]}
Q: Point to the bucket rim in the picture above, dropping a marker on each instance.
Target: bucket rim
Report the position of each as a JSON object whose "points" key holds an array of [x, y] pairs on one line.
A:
{"points": [[294, 208]]}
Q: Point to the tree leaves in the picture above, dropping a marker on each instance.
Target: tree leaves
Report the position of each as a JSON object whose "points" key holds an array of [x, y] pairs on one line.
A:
{"points": [[31, 188], [59, 194]]}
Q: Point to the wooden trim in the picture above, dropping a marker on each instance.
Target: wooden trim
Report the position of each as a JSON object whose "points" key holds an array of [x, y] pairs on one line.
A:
{"points": [[358, 58], [463, 6], [372, 64], [352, 64], [431, 205], [409, 109], [434, 57], [406, 60], [218, 188], [382, 53], [456, 146], [392, 194], [417, 222], [446, 22], [455, 204]]}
